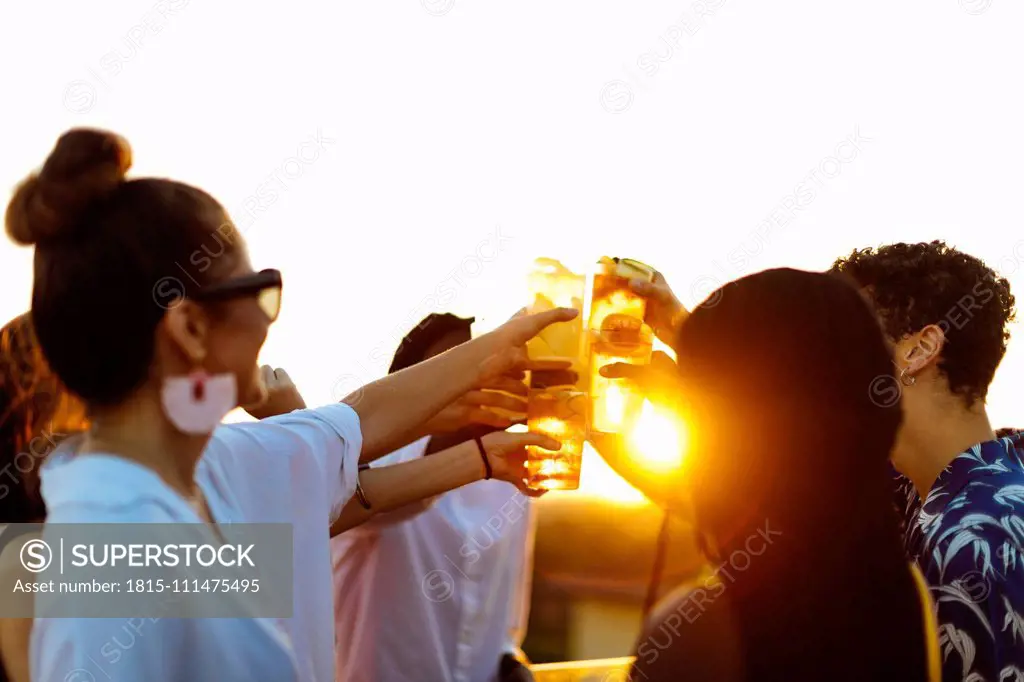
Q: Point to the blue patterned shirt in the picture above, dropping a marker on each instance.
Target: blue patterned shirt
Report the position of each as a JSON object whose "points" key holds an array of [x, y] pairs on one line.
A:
{"points": [[967, 538]]}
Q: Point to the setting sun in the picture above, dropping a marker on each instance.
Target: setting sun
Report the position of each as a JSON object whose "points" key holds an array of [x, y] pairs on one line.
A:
{"points": [[658, 439], [656, 443]]}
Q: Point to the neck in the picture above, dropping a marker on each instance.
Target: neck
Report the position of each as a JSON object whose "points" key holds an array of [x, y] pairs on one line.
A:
{"points": [[138, 431], [949, 429]]}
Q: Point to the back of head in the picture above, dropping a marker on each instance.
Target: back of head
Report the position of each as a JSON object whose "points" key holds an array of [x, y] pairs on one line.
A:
{"points": [[425, 337], [35, 412], [779, 370], [109, 259], [916, 285], [788, 458]]}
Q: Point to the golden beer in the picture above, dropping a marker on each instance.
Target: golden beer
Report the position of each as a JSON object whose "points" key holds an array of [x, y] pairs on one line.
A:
{"points": [[557, 408], [617, 334]]}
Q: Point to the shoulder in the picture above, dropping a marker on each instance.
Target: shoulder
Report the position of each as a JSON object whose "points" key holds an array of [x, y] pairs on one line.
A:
{"points": [[98, 488], [141, 510], [694, 628], [975, 549], [982, 523]]}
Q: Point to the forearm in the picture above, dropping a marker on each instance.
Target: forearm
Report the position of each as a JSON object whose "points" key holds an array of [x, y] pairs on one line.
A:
{"points": [[391, 487], [442, 438], [613, 451], [393, 410]]}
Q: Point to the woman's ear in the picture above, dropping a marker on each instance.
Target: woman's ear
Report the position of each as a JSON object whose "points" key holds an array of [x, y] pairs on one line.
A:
{"points": [[187, 327]]}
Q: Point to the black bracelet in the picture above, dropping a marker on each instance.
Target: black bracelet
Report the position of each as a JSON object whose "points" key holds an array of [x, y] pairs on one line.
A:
{"points": [[488, 472], [360, 495]]}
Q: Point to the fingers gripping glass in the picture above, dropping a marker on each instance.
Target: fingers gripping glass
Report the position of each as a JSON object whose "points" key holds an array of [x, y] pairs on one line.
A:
{"points": [[265, 285], [628, 267]]}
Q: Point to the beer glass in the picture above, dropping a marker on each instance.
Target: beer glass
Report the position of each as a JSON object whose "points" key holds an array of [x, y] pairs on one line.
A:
{"points": [[617, 334], [552, 285], [556, 408]]}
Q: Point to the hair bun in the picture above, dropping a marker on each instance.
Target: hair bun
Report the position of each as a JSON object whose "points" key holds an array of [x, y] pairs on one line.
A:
{"points": [[85, 167]]}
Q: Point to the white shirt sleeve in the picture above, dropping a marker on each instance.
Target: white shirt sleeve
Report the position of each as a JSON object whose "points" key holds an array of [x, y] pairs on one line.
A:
{"points": [[321, 447]]}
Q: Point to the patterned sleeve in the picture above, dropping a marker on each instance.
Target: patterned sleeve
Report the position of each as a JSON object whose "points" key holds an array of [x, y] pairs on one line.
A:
{"points": [[978, 588], [908, 505]]}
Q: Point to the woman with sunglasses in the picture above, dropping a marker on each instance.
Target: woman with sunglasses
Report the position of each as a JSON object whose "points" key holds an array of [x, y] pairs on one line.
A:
{"points": [[159, 360]]}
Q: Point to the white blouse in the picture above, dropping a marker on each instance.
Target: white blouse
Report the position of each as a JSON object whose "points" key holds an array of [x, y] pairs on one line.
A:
{"points": [[299, 468]]}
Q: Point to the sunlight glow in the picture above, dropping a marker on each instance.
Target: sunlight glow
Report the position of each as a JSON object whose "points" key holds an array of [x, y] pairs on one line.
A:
{"points": [[657, 443], [598, 480], [614, 403], [552, 426], [658, 439]]}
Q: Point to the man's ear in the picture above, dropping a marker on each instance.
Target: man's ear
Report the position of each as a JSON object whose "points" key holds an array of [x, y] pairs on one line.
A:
{"points": [[922, 349]]}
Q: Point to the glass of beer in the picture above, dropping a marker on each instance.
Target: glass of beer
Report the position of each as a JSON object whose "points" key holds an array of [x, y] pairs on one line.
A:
{"points": [[556, 408], [617, 334], [552, 285], [616, 403]]}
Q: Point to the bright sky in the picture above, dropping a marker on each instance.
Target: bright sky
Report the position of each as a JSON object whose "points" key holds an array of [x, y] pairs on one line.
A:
{"points": [[443, 144]]}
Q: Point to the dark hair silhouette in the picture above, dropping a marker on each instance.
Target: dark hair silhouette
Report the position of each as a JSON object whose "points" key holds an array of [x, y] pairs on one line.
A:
{"points": [[914, 285], [413, 350], [36, 412], [109, 259], [788, 474], [431, 329]]}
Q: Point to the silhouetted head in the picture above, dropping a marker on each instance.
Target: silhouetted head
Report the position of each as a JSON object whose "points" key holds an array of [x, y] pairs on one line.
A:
{"points": [[789, 475], [947, 316], [136, 280], [435, 334], [778, 370]]}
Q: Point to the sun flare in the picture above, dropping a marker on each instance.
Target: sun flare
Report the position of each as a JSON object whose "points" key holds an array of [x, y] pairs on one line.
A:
{"points": [[657, 443]]}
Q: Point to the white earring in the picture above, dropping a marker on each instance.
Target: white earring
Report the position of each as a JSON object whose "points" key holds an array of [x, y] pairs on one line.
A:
{"points": [[197, 403]]}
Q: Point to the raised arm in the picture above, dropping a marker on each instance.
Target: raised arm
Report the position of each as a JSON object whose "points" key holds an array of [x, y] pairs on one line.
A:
{"points": [[615, 451], [391, 487], [391, 409], [659, 382]]}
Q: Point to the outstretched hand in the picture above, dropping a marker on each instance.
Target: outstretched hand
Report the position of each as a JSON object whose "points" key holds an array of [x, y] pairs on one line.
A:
{"points": [[508, 344], [506, 453], [658, 381], [479, 407]]}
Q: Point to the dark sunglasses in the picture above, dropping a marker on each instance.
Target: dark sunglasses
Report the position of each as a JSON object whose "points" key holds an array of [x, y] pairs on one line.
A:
{"points": [[265, 285]]}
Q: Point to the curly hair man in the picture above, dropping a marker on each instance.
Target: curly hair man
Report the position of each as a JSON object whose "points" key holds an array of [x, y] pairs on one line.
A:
{"points": [[947, 314]]}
